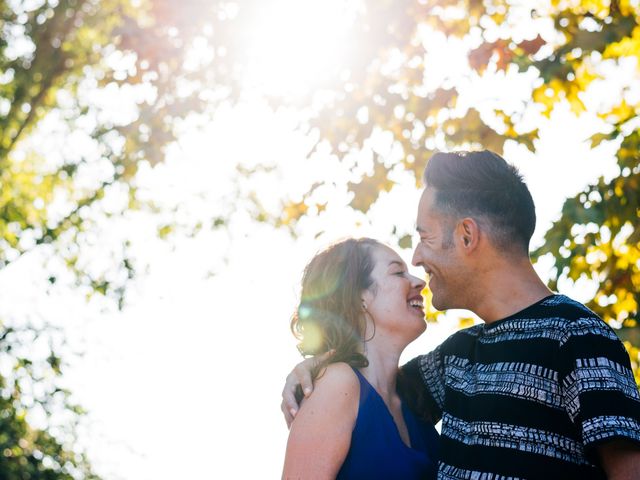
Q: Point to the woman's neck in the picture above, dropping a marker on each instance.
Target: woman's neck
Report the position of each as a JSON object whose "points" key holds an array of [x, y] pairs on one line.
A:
{"points": [[383, 367]]}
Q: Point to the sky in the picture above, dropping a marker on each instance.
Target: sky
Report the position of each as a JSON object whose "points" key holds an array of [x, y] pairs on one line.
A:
{"points": [[185, 382]]}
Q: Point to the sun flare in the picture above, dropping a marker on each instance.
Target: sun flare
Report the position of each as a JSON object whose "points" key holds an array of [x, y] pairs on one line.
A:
{"points": [[295, 45]]}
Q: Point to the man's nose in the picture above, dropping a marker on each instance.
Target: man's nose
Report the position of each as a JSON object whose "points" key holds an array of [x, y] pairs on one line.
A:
{"points": [[416, 259]]}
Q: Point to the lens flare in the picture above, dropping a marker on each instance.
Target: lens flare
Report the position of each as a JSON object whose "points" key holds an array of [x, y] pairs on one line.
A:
{"points": [[323, 290], [313, 338], [304, 312]]}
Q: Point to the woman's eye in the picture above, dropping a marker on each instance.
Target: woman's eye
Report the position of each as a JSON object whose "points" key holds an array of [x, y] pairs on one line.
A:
{"points": [[399, 273]]}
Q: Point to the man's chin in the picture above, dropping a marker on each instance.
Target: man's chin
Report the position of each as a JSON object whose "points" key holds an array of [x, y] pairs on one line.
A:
{"points": [[440, 304]]}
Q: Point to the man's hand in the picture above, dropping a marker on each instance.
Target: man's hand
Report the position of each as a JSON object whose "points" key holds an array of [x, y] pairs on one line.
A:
{"points": [[300, 376]]}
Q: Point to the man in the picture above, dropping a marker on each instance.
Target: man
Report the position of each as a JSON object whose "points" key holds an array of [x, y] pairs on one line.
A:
{"points": [[543, 388]]}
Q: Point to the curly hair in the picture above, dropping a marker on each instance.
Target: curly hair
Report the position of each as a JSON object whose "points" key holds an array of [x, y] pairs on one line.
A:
{"points": [[330, 315]]}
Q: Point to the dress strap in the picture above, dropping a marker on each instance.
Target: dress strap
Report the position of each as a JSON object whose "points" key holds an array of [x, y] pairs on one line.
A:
{"points": [[365, 386]]}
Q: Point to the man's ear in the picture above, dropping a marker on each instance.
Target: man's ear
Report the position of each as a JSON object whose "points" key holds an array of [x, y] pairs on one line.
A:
{"points": [[468, 233]]}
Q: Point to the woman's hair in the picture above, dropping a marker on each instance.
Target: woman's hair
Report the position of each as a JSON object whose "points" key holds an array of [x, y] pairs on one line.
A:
{"points": [[330, 313]]}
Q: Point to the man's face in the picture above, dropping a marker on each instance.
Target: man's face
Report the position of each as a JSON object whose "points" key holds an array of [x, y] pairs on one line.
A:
{"points": [[438, 254]]}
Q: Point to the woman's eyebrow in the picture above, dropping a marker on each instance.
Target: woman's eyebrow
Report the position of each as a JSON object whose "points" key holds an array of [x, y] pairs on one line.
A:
{"points": [[396, 262]]}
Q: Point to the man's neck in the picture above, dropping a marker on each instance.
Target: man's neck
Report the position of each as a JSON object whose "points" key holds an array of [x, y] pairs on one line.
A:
{"points": [[509, 289]]}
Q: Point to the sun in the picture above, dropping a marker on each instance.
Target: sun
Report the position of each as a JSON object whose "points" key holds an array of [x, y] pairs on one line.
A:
{"points": [[295, 46]]}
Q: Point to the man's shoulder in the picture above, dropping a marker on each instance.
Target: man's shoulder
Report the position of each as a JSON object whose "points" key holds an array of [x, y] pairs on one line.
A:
{"points": [[462, 336], [561, 306], [578, 320]]}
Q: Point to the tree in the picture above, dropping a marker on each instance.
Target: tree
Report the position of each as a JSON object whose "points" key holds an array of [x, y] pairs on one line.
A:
{"points": [[177, 61], [25, 451], [57, 58], [563, 49]]}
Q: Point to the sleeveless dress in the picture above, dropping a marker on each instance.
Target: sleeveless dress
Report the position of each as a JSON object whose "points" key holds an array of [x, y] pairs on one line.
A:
{"points": [[377, 450]]}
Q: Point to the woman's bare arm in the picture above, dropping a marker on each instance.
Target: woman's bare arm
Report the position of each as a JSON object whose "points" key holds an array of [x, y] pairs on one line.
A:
{"points": [[300, 376], [320, 435]]}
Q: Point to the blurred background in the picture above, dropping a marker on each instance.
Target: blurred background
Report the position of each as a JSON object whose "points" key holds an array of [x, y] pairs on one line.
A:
{"points": [[168, 168]]}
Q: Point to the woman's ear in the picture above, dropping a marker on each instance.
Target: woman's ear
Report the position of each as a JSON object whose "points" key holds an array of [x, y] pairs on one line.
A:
{"points": [[366, 297]]}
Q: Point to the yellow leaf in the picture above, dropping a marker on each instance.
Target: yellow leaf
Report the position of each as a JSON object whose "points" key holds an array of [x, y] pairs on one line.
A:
{"points": [[627, 47], [466, 322], [292, 212], [620, 112], [548, 95], [367, 190]]}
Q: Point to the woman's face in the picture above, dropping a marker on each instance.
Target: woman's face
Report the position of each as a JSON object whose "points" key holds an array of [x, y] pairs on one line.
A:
{"points": [[394, 301]]}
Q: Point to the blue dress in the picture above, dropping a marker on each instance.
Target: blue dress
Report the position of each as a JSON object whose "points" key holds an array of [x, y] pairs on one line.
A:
{"points": [[377, 450]]}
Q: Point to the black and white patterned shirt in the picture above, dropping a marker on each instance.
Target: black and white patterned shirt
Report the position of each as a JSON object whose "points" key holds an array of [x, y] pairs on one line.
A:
{"points": [[529, 396]]}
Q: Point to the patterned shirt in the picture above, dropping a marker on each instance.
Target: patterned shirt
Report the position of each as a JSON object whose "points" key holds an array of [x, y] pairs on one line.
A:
{"points": [[528, 396]]}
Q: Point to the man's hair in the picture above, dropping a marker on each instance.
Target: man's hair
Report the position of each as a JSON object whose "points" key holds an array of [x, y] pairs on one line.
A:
{"points": [[482, 185]]}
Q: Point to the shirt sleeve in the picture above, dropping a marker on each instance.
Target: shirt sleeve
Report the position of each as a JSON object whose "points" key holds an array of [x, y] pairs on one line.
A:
{"points": [[599, 391], [421, 385]]}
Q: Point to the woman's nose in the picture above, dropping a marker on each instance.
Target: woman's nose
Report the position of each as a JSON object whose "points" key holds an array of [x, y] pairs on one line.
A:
{"points": [[418, 282]]}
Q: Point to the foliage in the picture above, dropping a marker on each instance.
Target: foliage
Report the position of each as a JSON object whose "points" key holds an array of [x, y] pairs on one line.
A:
{"points": [[56, 58], [25, 451], [173, 61], [564, 48], [59, 61]]}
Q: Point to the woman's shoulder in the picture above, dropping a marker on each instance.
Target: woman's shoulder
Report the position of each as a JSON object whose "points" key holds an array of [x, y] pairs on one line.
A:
{"points": [[337, 376], [336, 393]]}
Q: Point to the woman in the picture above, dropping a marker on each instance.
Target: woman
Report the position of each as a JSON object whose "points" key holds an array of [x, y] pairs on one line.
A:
{"points": [[359, 300]]}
